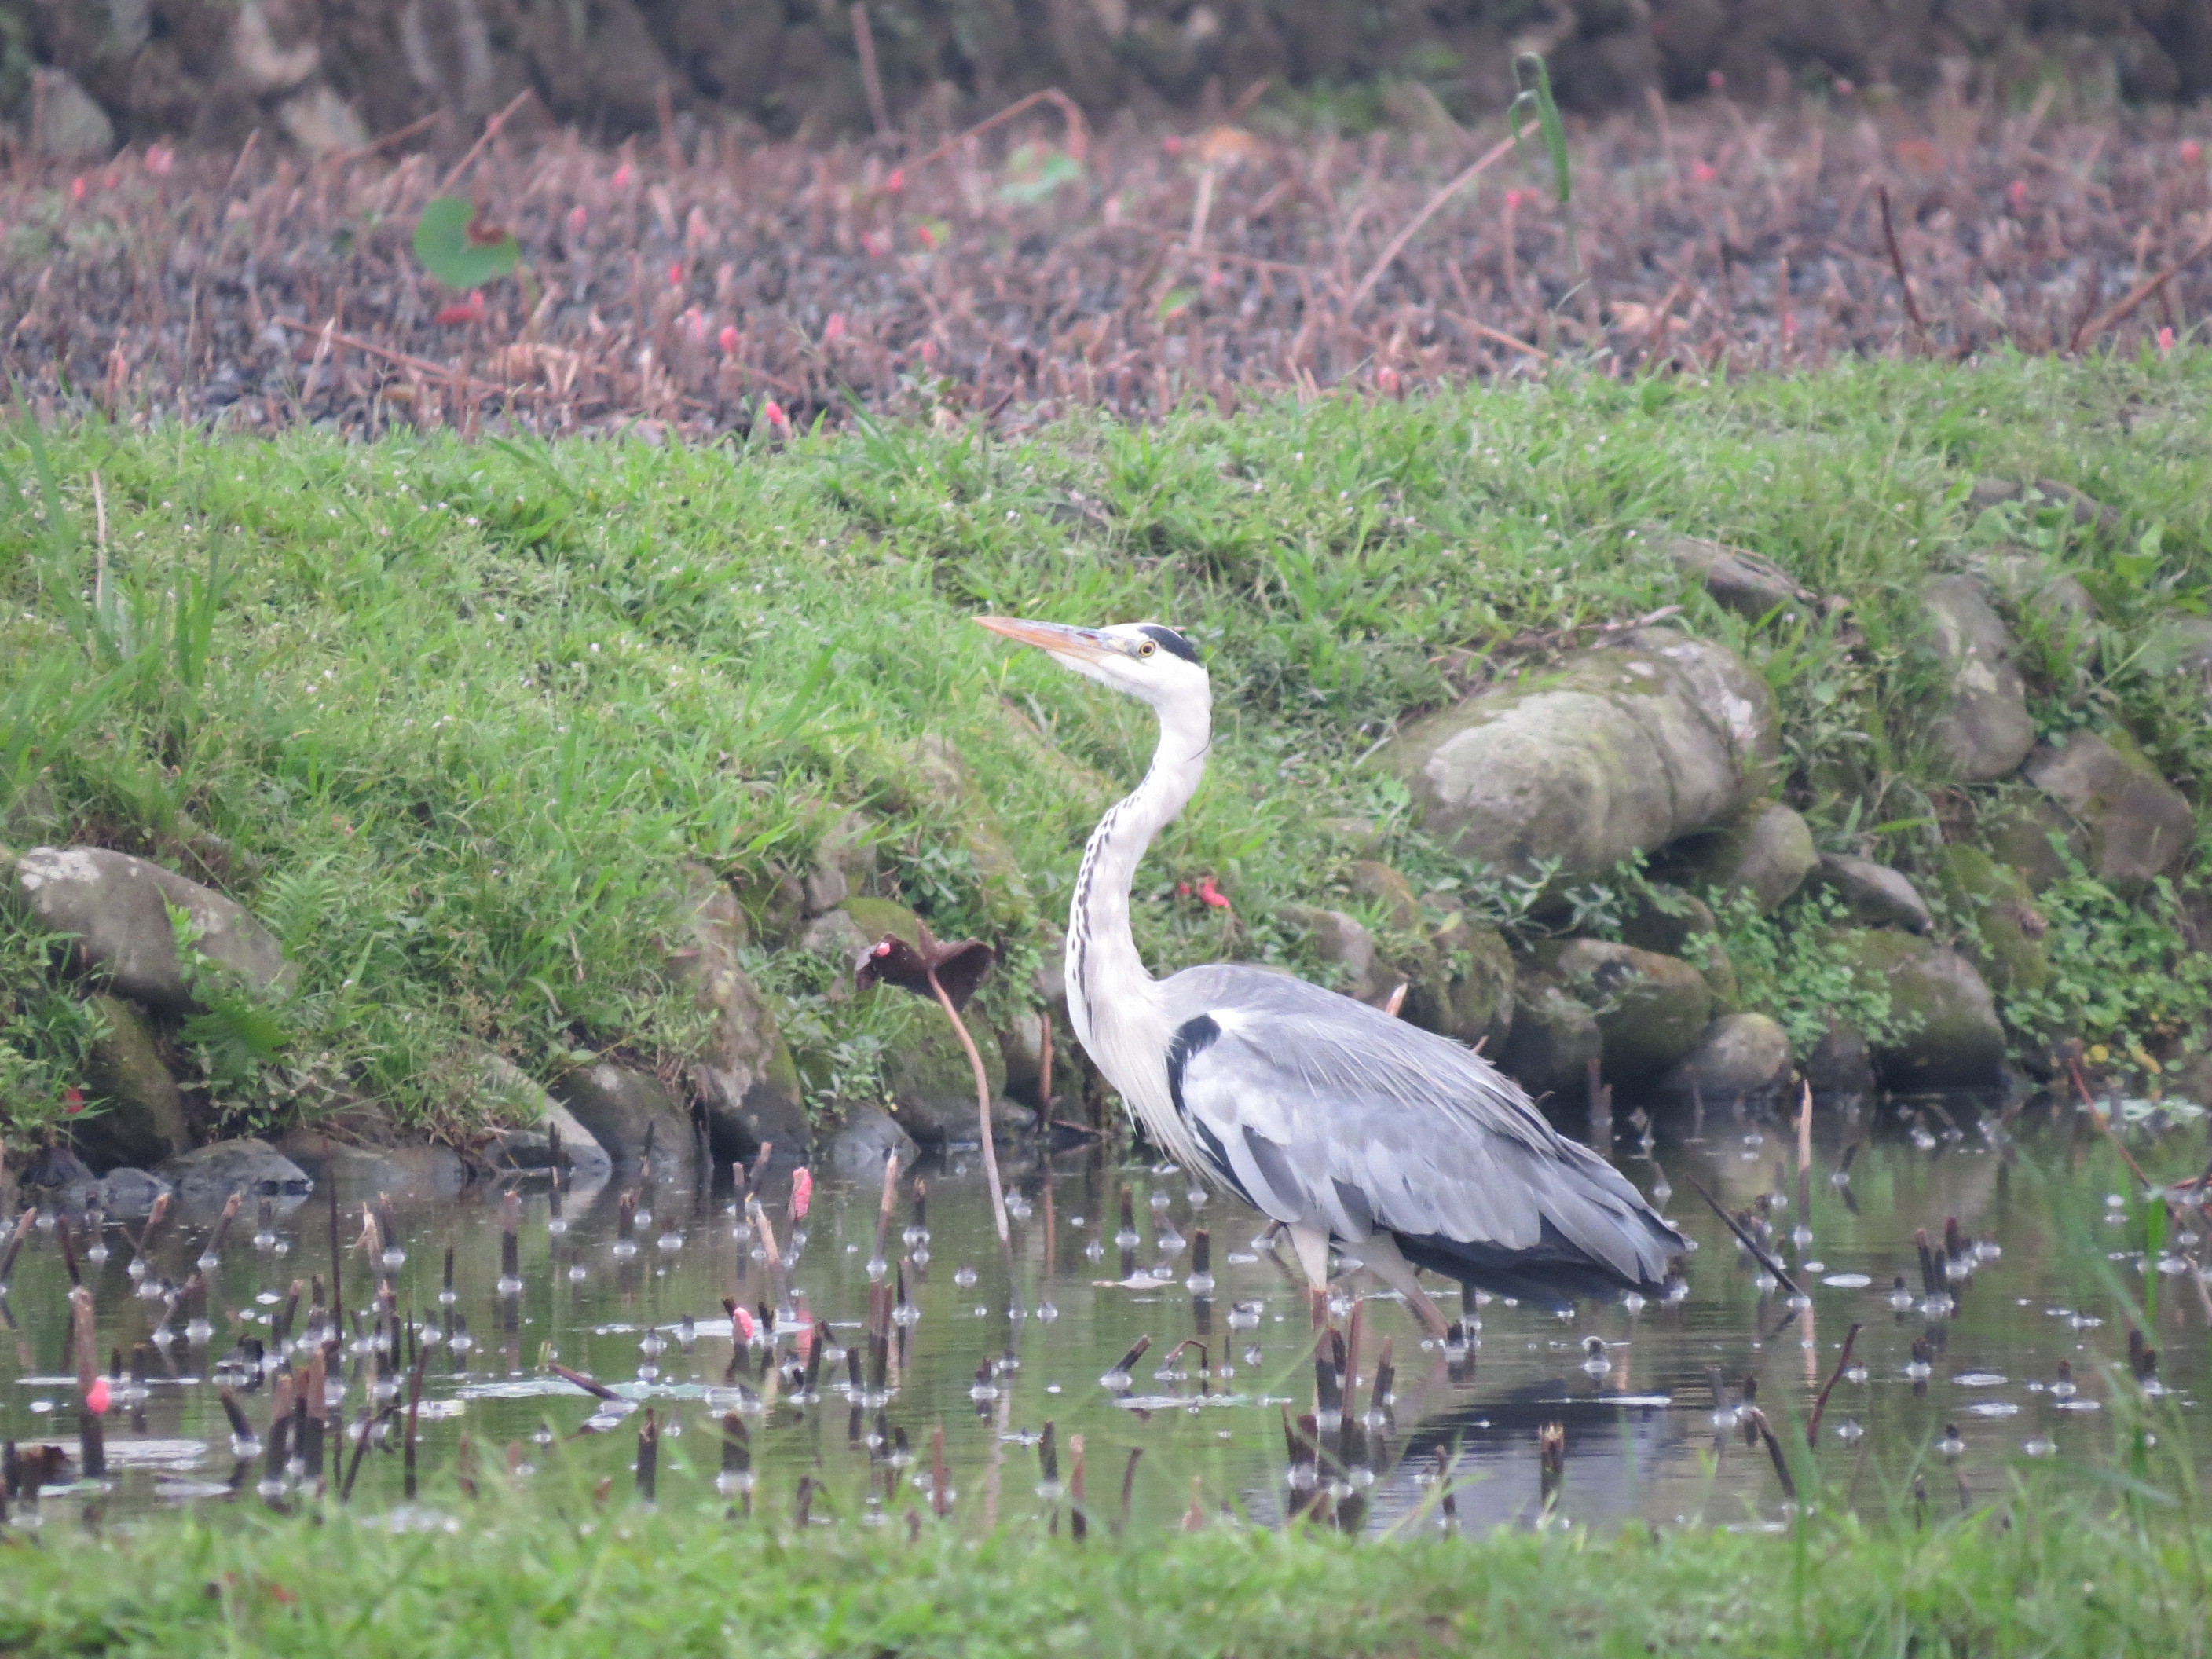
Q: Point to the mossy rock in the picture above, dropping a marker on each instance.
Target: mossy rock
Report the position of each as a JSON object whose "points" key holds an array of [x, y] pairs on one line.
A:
{"points": [[143, 1119], [1946, 1034], [2004, 931], [2027, 833], [1673, 922], [933, 1087], [1477, 1002], [1740, 1057], [879, 919], [1554, 1037], [1651, 1009], [1766, 853]]}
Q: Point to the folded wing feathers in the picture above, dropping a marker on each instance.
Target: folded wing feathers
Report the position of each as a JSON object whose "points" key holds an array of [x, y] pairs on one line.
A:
{"points": [[1377, 1122]]}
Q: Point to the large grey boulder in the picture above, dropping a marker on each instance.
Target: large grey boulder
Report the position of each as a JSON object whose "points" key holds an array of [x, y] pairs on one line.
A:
{"points": [[115, 908], [142, 1120], [126, 1194], [1650, 1009], [1740, 1057], [1767, 853], [1874, 894], [1671, 921], [2138, 824], [1984, 730], [1947, 1034], [1748, 583], [421, 1171], [856, 1148], [1613, 751], [1840, 1066], [210, 1173], [746, 1076], [622, 1106]]}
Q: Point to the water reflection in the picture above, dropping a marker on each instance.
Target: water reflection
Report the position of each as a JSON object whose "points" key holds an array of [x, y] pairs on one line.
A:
{"points": [[1969, 1296]]}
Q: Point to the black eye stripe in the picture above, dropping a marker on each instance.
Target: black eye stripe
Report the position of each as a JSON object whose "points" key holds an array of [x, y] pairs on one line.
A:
{"points": [[1168, 640]]}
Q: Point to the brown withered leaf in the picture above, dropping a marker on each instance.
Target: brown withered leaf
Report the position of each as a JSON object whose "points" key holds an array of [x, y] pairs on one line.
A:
{"points": [[960, 965]]}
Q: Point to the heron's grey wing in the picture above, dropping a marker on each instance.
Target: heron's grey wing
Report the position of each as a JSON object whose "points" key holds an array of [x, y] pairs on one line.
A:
{"points": [[1323, 1110]]}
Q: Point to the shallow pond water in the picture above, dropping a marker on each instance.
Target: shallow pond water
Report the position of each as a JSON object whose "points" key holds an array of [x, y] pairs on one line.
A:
{"points": [[2054, 1264]]}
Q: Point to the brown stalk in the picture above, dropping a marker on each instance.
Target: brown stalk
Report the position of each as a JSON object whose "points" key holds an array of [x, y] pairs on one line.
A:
{"points": [[982, 1111], [1079, 138], [1897, 264], [1488, 159], [2135, 296], [872, 79], [1820, 1405], [490, 132]]}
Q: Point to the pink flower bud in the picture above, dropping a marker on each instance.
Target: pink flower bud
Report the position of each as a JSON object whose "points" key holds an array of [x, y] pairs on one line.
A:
{"points": [[576, 220], [2016, 192], [802, 1192], [729, 337], [741, 1320], [159, 158], [78, 188], [834, 329], [2191, 151], [1703, 171], [622, 176], [772, 412], [675, 273], [96, 1397], [2166, 341]]}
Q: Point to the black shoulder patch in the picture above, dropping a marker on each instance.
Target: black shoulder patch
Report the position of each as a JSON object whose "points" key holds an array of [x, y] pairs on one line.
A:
{"points": [[1193, 1037], [1169, 641]]}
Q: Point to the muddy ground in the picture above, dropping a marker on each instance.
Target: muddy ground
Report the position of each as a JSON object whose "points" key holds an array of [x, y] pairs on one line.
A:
{"points": [[711, 285]]}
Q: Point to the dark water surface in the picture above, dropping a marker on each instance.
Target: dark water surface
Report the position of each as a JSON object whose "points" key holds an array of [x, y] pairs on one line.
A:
{"points": [[2062, 1265]]}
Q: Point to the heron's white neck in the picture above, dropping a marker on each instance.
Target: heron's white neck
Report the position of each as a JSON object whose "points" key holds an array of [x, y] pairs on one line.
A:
{"points": [[1108, 987]]}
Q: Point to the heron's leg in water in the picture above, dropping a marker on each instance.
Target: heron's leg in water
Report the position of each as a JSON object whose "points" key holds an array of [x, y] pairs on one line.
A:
{"points": [[1380, 1255], [1311, 1245]]}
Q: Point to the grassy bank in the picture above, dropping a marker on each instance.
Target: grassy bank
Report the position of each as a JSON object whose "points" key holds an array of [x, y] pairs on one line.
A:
{"points": [[449, 717], [2032, 1575]]}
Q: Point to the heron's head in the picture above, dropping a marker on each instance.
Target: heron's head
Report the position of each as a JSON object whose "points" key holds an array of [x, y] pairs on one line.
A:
{"points": [[1144, 659]]}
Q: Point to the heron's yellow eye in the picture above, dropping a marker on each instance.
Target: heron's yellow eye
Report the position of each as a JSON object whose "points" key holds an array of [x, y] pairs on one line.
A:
{"points": [[1148, 648]]}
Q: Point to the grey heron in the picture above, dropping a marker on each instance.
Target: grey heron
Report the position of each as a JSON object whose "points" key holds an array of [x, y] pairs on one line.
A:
{"points": [[1337, 1120]]}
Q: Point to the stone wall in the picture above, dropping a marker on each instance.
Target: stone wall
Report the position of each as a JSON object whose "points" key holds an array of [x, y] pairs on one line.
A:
{"points": [[327, 73]]}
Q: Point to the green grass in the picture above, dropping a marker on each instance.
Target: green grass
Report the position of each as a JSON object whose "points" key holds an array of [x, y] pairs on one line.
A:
{"points": [[450, 717], [2030, 1574]]}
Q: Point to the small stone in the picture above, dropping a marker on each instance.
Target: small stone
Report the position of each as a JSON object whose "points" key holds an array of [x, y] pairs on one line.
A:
{"points": [[1947, 1034], [128, 1193], [210, 1175], [1650, 1009], [619, 1105], [836, 935], [2027, 587], [856, 1148], [1874, 894], [1740, 1057], [1343, 943], [1983, 729], [522, 1099], [1766, 853], [1840, 1066], [1748, 583], [2139, 824]]}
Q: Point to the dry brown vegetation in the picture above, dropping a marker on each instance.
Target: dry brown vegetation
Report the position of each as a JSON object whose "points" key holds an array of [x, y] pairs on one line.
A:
{"points": [[708, 288]]}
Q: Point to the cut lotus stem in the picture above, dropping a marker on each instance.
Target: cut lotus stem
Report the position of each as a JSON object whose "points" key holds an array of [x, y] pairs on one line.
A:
{"points": [[648, 1458], [24, 1223], [1078, 1523]]}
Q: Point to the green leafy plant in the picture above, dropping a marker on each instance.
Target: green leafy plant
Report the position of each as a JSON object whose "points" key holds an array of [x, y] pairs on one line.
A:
{"points": [[238, 1033], [459, 246]]}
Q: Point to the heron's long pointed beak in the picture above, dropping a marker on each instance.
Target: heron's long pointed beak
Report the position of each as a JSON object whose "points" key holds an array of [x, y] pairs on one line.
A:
{"points": [[1079, 644]]}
